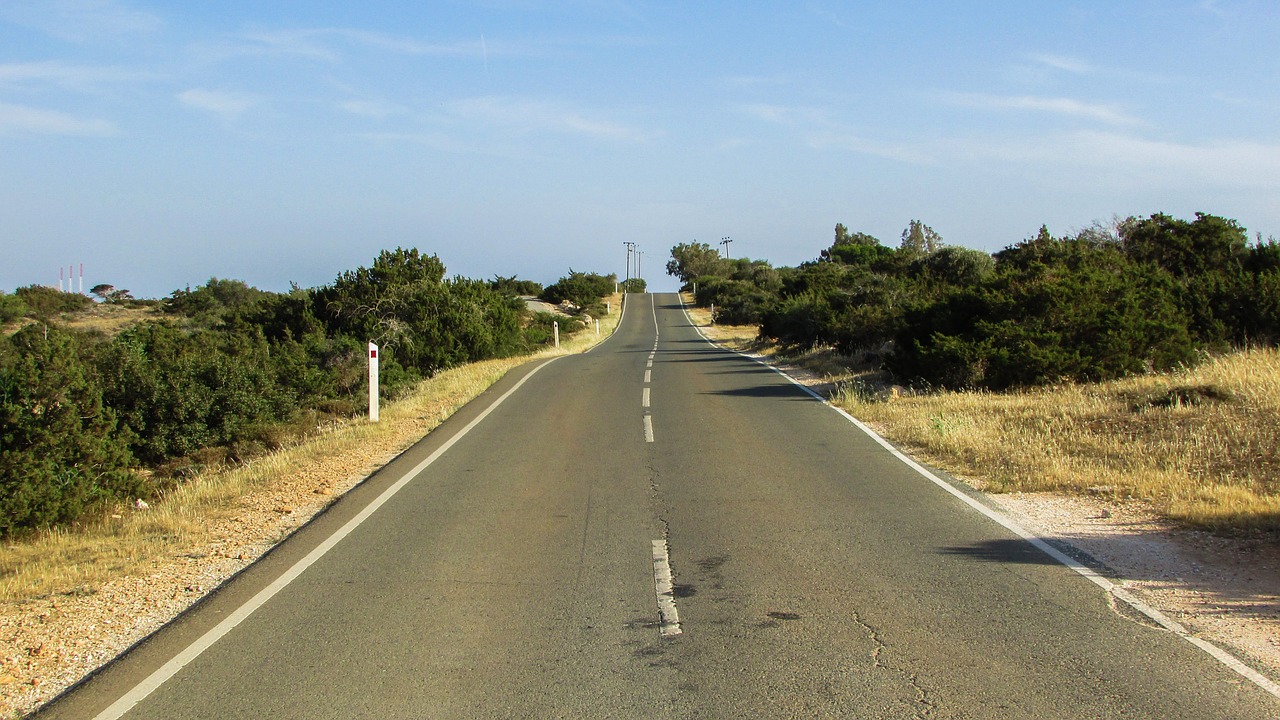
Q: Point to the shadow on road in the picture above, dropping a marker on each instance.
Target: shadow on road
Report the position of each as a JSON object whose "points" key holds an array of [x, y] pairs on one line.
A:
{"points": [[1003, 551]]}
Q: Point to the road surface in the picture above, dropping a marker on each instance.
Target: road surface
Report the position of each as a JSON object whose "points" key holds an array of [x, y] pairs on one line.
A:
{"points": [[659, 529]]}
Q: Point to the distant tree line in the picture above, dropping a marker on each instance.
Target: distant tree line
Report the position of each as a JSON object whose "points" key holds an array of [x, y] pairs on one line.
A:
{"points": [[1143, 294], [229, 372]]}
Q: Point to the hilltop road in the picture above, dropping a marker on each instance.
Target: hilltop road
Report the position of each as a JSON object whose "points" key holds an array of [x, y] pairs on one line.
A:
{"points": [[659, 529]]}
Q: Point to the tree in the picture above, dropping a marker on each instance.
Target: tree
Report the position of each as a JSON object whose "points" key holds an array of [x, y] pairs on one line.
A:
{"points": [[690, 261], [920, 238], [102, 291]]}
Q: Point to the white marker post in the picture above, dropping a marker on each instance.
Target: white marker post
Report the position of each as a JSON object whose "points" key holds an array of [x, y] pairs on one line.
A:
{"points": [[597, 328], [555, 326], [373, 383]]}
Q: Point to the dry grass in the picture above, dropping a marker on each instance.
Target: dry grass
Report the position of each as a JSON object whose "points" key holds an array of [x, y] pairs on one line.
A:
{"points": [[198, 513], [105, 318], [1202, 446], [111, 319]]}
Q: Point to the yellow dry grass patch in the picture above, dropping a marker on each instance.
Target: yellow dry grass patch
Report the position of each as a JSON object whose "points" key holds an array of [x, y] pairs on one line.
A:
{"points": [[204, 510], [1202, 445]]}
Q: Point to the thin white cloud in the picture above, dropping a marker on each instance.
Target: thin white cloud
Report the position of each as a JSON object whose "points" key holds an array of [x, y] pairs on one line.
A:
{"points": [[330, 45], [816, 128], [82, 78], [220, 102], [20, 119], [831, 17], [1064, 63], [864, 146], [1128, 160], [1064, 107], [376, 109], [787, 114], [522, 116], [81, 20]]}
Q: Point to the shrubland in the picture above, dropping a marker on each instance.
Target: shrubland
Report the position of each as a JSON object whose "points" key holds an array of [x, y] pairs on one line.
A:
{"points": [[1107, 302], [226, 372]]}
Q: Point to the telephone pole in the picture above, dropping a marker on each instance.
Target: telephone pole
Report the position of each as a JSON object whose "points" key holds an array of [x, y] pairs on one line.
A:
{"points": [[631, 248]]}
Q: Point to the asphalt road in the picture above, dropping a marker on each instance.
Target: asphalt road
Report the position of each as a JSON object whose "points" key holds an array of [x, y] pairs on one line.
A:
{"points": [[519, 575]]}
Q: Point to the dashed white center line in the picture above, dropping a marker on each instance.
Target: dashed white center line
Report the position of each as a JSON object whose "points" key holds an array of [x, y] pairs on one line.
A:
{"points": [[669, 619], [648, 428], [644, 401], [648, 376]]}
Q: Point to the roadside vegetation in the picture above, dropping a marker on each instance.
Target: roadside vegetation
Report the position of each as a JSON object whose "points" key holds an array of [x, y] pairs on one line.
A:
{"points": [[1135, 360], [102, 408], [193, 515]]}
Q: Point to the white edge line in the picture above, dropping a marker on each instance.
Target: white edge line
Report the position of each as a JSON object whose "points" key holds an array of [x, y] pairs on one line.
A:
{"points": [[653, 305], [665, 588], [1013, 526], [149, 685]]}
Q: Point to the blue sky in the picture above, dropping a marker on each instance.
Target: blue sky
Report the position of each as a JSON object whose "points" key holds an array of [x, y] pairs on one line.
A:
{"points": [[162, 143]]}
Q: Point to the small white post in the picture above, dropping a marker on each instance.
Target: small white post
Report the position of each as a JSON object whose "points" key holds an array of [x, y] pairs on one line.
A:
{"points": [[713, 314], [597, 328], [373, 383], [555, 327], [608, 307]]}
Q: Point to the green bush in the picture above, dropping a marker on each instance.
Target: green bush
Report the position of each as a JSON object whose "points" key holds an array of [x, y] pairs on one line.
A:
{"points": [[45, 303], [11, 307], [421, 321], [514, 287], [737, 302], [580, 289], [62, 451], [1095, 316], [540, 330]]}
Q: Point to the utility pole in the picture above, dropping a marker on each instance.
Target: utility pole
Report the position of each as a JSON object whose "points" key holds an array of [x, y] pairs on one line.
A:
{"points": [[630, 249], [725, 242]]}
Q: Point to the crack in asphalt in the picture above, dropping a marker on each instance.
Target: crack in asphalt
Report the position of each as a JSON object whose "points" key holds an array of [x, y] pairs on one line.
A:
{"points": [[922, 695]]}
